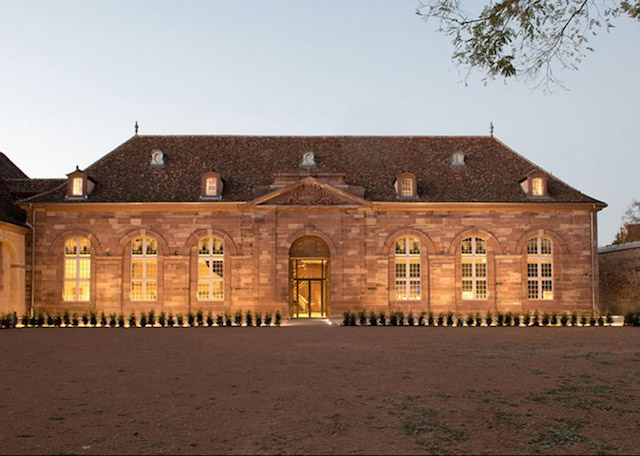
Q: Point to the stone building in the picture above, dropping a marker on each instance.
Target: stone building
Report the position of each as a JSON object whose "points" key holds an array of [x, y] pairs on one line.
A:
{"points": [[620, 277], [311, 226]]}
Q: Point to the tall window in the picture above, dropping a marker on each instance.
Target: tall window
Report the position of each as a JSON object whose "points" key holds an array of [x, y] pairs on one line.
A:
{"points": [[144, 269], [406, 186], [210, 269], [77, 269], [408, 274], [539, 268], [211, 185], [474, 268], [77, 186]]}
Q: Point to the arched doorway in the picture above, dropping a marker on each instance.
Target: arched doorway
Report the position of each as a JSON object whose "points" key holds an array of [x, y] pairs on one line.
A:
{"points": [[309, 278]]}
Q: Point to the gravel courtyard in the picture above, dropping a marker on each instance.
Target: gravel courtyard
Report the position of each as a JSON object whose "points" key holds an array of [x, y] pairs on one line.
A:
{"points": [[311, 389]]}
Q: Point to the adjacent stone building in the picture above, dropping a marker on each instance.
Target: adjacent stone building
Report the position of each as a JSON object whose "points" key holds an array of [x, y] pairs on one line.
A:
{"points": [[620, 277], [311, 226]]}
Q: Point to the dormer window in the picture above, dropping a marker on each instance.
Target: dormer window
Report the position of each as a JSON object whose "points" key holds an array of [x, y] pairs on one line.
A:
{"points": [[78, 185], [308, 160], [405, 185], [157, 158], [211, 187], [535, 184], [457, 159]]}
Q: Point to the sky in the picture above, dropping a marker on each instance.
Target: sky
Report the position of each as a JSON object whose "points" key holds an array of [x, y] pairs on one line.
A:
{"points": [[77, 75]]}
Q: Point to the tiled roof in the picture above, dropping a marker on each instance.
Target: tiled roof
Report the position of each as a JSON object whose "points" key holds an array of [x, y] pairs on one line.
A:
{"points": [[8, 169], [9, 212], [23, 188], [492, 173]]}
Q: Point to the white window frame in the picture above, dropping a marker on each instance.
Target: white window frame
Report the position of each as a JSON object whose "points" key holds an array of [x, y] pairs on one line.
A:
{"points": [[144, 259], [215, 270], [474, 258], [406, 186], [211, 186], [537, 258], [82, 264], [406, 284]]}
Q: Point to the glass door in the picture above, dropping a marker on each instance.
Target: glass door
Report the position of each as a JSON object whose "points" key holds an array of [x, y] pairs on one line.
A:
{"points": [[309, 288]]}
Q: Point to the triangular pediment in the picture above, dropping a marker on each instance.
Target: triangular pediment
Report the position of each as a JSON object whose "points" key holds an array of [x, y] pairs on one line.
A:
{"points": [[310, 192]]}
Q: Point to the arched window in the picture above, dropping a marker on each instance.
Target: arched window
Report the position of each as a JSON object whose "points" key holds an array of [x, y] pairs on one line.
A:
{"points": [[408, 269], [77, 269], [144, 269], [474, 268], [210, 269], [539, 268]]}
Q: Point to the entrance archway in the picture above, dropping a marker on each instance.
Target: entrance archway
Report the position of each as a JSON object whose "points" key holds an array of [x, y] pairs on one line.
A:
{"points": [[309, 259]]}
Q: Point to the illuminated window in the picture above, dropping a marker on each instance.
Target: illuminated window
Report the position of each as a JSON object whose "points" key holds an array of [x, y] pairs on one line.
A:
{"points": [[539, 268], [210, 269], [77, 269], [536, 186], [406, 186], [77, 186], [474, 268], [408, 269], [211, 186], [144, 269]]}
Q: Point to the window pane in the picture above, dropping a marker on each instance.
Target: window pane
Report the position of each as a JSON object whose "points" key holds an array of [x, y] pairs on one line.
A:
{"points": [[204, 268], [414, 289], [532, 287], [537, 186], [83, 291], [401, 246], [211, 186], [481, 289], [218, 292], [401, 289], [77, 186], [546, 269], [467, 289], [203, 290], [532, 268], [547, 289], [152, 269], [481, 267], [532, 246], [414, 246], [85, 268], [407, 187], [467, 268], [70, 268], [85, 247], [203, 246], [481, 246], [150, 294], [545, 246], [69, 293], [136, 269], [218, 246], [136, 247], [466, 246], [152, 246], [136, 290], [401, 268], [414, 268], [70, 246]]}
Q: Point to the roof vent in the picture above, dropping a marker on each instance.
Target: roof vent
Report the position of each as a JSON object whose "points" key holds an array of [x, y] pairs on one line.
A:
{"points": [[457, 159], [157, 158], [308, 160]]}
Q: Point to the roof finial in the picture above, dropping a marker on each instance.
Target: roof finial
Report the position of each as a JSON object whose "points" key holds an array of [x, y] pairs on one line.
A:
{"points": [[136, 128], [491, 129]]}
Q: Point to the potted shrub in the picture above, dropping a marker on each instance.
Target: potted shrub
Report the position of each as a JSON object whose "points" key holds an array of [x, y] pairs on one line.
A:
{"points": [[526, 319], [162, 318], [180, 320], [199, 317], [362, 318], [373, 319], [75, 321], [66, 318], [554, 319], [600, 320], [499, 319], [536, 318], [470, 320], [545, 319], [267, 319], [346, 318], [171, 322], [609, 318], [410, 320], [430, 319], [421, 318], [50, 319], [564, 319], [508, 319], [112, 320], [227, 319], [24, 320], [449, 318], [238, 318], [103, 319], [574, 319], [132, 320], [393, 318], [383, 318], [220, 320], [191, 319], [143, 319], [209, 319], [400, 318], [478, 319], [258, 319], [151, 318], [583, 320], [516, 320], [459, 321], [85, 319], [248, 318], [489, 319], [93, 318], [440, 320], [120, 320], [57, 319], [278, 317]]}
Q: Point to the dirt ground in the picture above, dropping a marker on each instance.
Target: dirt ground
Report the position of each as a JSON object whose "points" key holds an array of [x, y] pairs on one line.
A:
{"points": [[316, 390]]}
